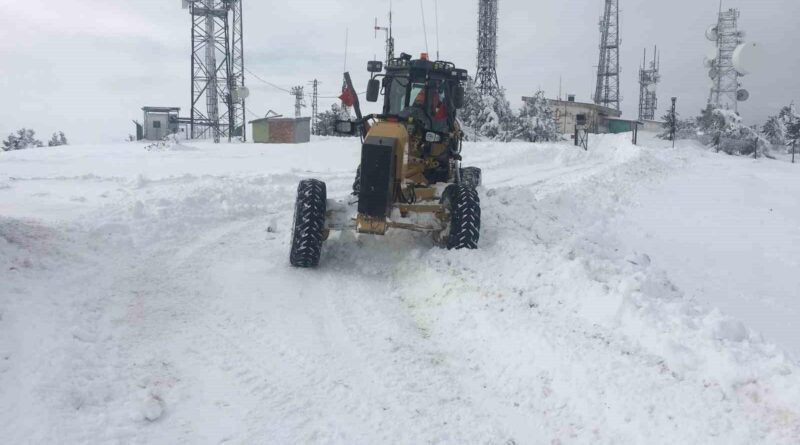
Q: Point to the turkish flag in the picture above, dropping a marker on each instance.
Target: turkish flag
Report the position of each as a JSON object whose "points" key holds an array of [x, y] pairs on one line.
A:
{"points": [[347, 97]]}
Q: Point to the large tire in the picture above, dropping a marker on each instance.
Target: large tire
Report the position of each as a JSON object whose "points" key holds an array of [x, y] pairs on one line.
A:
{"points": [[471, 177], [309, 223], [465, 217]]}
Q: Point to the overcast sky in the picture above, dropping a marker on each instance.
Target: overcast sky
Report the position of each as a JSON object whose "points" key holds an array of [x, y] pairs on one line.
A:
{"points": [[88, 66]]}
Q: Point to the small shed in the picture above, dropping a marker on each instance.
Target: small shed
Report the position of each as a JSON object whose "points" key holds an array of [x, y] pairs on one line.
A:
{"points": [[653, 126], [281, 130], [160, 122], [616, 126]]}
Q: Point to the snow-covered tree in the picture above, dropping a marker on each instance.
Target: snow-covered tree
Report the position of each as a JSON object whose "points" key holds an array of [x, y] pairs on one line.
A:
{"points": [[326, 125], [537, 122], [24, 138], [57, 140], [781, 129], [473, 105], [489, 116], [775, 131], [730, 135]]}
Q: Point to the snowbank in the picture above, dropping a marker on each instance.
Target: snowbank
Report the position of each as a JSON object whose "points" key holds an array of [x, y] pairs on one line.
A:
{"points": [[146, 297]]}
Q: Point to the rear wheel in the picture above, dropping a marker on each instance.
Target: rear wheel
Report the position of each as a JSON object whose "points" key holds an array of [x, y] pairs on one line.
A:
{"points": [[465, 217], [471, 177], [309, 223]]}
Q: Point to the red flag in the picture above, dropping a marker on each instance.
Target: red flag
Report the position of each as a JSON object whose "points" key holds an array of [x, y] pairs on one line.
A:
{"points": [[347, 97]]}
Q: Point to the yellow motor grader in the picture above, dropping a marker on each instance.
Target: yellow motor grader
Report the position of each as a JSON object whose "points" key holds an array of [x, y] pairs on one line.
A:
{"points": [[410, 176]]}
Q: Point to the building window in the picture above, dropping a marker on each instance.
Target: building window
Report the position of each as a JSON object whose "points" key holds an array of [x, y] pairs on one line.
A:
{"points": [[156, 124]]}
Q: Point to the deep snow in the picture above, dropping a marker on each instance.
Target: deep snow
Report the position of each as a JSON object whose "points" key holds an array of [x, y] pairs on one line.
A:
{"points": [[146, 297]]}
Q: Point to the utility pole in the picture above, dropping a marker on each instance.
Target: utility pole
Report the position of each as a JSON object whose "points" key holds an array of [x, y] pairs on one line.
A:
{"points": [[315, 107], [299, 100], [673, 121]]}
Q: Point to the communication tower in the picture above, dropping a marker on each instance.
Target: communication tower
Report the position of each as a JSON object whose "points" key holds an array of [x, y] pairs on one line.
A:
{"points": [[725, 67], [607, 89], [649, 77], [486, 74], [217, 66]]}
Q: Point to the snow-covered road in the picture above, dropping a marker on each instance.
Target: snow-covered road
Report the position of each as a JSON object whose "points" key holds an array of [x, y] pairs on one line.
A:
{"points": [[146, 297]]}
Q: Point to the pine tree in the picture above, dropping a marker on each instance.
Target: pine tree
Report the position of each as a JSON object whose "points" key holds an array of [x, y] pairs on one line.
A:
{"points": [[57, 140], [24, 138], [537, 121], [775, 131], [469, 114]]}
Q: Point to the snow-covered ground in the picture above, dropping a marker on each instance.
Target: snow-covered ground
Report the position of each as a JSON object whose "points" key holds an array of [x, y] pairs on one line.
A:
{"points": [[146, 297]]}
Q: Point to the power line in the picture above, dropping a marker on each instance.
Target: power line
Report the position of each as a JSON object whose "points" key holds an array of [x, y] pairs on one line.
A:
{"points": [[268, 82]]}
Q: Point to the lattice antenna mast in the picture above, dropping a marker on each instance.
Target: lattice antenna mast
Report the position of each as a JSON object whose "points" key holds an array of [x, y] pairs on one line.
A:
{"points": [[213, 81], [389, 35], [237, 71], [725, 78], [314, 107], [607, 89], [649, 77], [486, 74], [299, 100]]}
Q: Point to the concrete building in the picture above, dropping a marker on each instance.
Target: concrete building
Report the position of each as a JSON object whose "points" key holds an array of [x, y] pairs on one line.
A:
{"points": [[159, 122], [597, 116], [275, 130]]}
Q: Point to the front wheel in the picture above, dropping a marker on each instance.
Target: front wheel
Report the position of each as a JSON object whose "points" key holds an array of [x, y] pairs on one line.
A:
{"points": [[309, 223], [464, 205]]}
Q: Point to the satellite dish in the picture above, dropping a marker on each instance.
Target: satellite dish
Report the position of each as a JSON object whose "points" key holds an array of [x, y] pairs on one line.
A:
{"points": [[651, 88], [742, 95], [748, 57], [711, 33], [185, 4], [713, 73], [711, 53]]}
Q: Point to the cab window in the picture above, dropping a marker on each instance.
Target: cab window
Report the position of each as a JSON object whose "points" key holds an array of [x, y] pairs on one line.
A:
{"points": [[397, 95]]}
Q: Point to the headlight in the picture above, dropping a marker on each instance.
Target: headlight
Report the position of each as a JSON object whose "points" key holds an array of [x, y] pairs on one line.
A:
{"points": [[432, 137]]}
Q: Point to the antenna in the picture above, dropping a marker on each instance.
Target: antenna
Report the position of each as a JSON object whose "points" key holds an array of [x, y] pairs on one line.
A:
{"points": [[649, 77], [436, 9], [389, 35], [424, 26]]}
